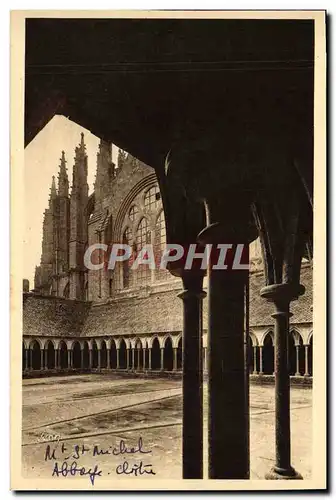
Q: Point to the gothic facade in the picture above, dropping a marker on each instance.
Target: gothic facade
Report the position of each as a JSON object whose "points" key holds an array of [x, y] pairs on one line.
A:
{"points": [[124, 319]]}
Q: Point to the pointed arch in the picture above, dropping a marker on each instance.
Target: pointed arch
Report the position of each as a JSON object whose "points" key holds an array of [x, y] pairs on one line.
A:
{"points": [[123, 355], [76, 355], [156, 354], [50, 354]]}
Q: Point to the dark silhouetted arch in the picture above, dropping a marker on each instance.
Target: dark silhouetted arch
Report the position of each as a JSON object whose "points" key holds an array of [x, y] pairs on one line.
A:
{"points": [[156, 355], [76, 356], [268, 355]]}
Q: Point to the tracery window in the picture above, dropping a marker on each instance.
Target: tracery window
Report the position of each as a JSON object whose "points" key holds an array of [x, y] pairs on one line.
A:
{"points": [[160, 243], [134, 210], [152, 197], [127, 240], [142, 238]]}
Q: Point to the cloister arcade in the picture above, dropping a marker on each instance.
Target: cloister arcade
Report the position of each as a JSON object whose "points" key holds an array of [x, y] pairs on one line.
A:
{"points": [[157, 353]]}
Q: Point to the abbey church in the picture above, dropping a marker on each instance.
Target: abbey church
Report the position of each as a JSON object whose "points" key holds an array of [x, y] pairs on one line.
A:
{"points": [[78, 319]]}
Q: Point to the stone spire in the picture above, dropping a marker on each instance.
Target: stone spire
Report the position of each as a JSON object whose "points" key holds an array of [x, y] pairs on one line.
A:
{"points": [[105, 170], [80, 170], [78, 222], [63, 181], [53, 192]]}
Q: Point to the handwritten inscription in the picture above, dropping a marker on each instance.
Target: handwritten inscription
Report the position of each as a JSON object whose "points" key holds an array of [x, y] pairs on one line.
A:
{"points": [[66, 460]]}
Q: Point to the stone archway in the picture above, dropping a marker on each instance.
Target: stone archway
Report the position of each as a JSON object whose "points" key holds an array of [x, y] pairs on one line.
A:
{"points": [[156, 355], [63, 355], [103, 355], [268, 355], [94, 354], [123, 355], [50, 354], [86, 356], [76, 356], [35, 355], [113, 355], [168, 355]]}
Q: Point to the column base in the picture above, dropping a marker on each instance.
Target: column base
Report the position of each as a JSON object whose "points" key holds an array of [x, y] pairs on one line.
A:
{"points": [[277, 473]]}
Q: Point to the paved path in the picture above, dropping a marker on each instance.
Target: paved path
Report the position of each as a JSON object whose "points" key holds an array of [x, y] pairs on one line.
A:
{"points": [[102, 410]]}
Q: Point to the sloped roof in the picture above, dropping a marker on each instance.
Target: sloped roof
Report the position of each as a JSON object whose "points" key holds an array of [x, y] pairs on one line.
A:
{"points": [[50, 316]]}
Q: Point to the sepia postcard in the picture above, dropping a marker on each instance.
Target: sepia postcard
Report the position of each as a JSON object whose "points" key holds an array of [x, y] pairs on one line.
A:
{"points": [[168, 250]]}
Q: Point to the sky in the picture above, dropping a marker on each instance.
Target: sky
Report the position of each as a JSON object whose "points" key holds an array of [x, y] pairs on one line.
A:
{"points": [[41, 162]]}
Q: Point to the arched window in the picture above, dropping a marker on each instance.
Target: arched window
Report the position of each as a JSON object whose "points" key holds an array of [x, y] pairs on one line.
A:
{"points": [[152, 197], [142, 238], [127, 240], [133, 212], [160, 243]]}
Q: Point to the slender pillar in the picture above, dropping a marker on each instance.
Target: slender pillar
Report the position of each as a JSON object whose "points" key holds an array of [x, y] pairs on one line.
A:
{"points": [[261, 359], [127, 358], [175, 359], [69, 359], [108, 359], [82, 358], [90, 359], [31, 358], [133, 358], [42, 359], [56, 361], [118, 362], [99, 358], [192, 296], [306, 374], [162, 358], [46, 359], [255, 359], [297, 371], [281, 295], [144, 359], [150, 358], [138, 355], [26, 352]]}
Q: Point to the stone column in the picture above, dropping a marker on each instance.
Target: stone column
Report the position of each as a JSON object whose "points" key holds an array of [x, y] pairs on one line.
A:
{"points": [[82, 357], [149, 358], [281, 295], [175, 359], [133, 358], [144, 359], [56, 359], [306, 374], [228, 381], [297, 371], [26, 359], [31, 358], [255, 359], [108, 359], [69, 358], [46, 359], [192, 429], [42, 359], [99, 358], [90, 359], [261, 359], [162, 359], [127, 358], [138, 360]]}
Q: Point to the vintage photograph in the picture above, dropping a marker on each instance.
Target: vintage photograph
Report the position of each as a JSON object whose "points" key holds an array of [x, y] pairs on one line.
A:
{"points": [[168, 287]]}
